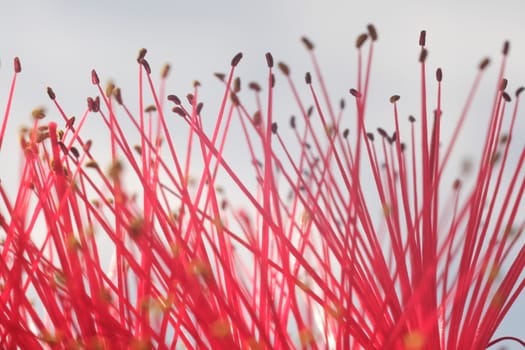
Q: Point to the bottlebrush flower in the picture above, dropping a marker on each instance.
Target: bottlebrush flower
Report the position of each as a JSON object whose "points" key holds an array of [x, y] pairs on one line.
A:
{"points": [[299, 259]]}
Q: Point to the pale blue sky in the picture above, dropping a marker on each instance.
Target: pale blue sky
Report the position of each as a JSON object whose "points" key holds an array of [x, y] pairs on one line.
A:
{"points": [[59, 42]]}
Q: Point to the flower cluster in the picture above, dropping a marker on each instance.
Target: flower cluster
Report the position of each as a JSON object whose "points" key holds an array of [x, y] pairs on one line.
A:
{"points": [[297, 258]]}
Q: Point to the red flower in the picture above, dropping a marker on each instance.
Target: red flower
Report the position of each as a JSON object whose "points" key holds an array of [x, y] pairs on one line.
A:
{"points": [[298, 259]]}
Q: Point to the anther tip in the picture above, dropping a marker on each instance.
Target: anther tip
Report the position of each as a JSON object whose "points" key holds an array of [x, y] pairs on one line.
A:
{"points": [[236, 59], [308, 78], [269, 59], [422, 38], [307, 43]]}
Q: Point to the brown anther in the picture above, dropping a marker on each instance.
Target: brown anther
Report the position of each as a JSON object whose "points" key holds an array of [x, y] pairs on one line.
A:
{"points": [[370, 136], [254, 86], [17, 65], [236, 59], [284, 68], [110, 87], [118, 95], [292, 122], [269, 59], [150, 108], [38, 113], [41, 136], [382, 132], [165, 70], [307, 43], [97, 104], [308, 78], [393, 138], [422, 38], [519, 91], [483, 64], [220, 76], [190, 98], [115, 170], [495, 158], [174, 99], [136, 229], [506, 96], [423, 55], [91, 164], [457, 184], [142, 54], [506, 47], [92, 105], [51, 93], [198, 109], [346, 132], [394, 98], [94, 77], [361, 40], [60, 134], [372, 32], [274, 127], [411, 118], [138, 149], [310, 111], [257, 118], [466, 166], [439, 74], [503, 84], [237, 85], [196, 83], [235, 99], [74, 151], [179, 111], [342, 103], [355, 93], [90, 102]]}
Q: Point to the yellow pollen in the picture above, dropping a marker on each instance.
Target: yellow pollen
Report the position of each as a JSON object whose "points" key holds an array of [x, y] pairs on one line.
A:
{"points": [[414, 340], [220, 328], [306, 336]]}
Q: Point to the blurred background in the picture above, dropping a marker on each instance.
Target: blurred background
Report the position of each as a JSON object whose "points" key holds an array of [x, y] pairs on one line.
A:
{"points": [[59, 42]]}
